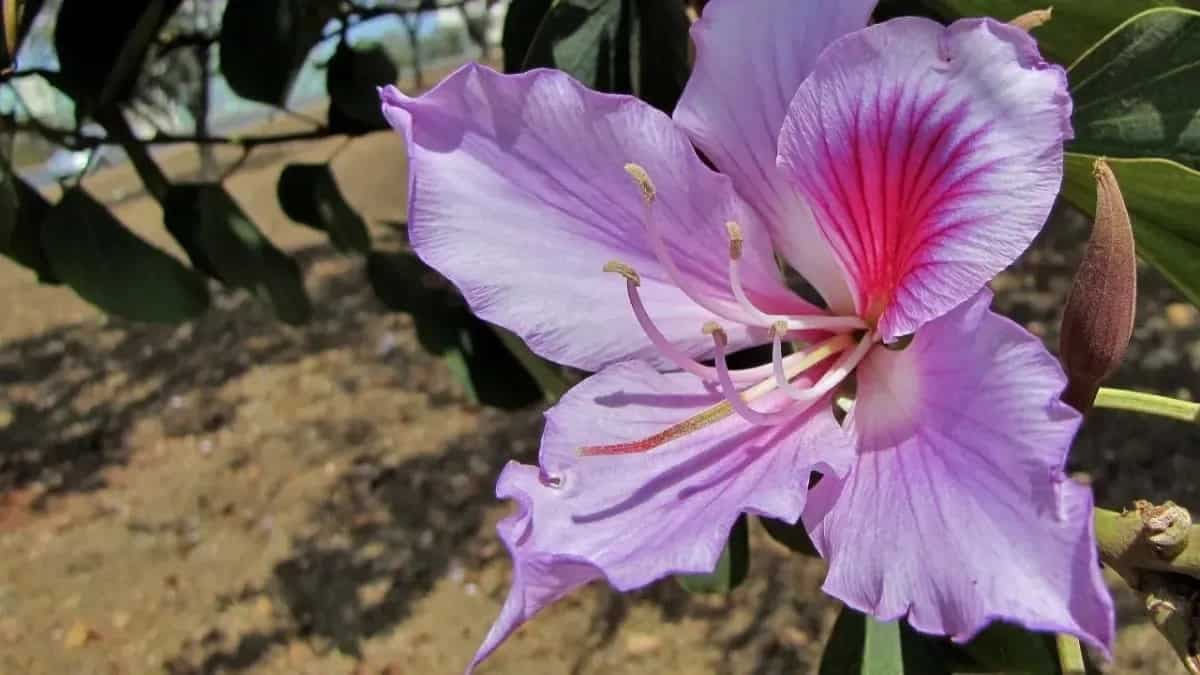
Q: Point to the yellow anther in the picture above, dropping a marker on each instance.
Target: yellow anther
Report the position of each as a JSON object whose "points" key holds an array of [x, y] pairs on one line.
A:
{"points": [[714, 329], [618, 267], [735, 239], [778, 329], [639, 176]]}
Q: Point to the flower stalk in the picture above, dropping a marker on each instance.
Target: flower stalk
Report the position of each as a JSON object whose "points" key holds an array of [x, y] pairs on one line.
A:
{"points": [[1150, 404], [1156, 550]]}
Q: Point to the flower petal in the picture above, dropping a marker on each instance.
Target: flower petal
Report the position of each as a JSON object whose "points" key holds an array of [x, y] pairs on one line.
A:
{"points": [[750, 58], [518, 194], [957, 511], [931, 156], [635, 518]]}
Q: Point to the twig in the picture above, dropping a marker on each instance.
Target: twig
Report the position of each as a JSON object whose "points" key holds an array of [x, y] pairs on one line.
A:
{"points": [[1148, 538], [74, 141]]}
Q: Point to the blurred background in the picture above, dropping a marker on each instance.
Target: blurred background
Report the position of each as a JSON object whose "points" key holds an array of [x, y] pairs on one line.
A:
{"points": [[242, 430]]}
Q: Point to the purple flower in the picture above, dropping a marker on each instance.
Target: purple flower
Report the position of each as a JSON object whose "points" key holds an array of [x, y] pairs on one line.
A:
{"points": [[898, 168]]}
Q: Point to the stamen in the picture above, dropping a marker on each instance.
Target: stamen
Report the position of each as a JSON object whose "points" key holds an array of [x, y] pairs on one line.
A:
{"points": [[657, 244], [660, 341], [844, 366], [624, 270], [716, 413], [737, 242], [805, 360], [642, 178], [720, 411], [731, 394]]}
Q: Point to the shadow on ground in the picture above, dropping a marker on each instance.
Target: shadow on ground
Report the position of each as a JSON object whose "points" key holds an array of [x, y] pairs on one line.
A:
{"points": [[71, 394]]}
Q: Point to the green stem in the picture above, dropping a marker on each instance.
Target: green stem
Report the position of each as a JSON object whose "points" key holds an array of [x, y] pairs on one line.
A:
{"points": [[1149, 404], [1070, 655]]}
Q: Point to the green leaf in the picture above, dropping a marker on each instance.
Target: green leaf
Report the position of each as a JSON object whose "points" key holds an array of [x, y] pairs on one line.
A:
{"points": [[309, 194], [1076, 25], [638, 48], [101, 45], [222, 241], [1163, 198], [1005, 648], [521, 22], [1137, 92], [351, 80], [843, 654], [488, 371], [731, 568], [1136, 96], [263, 44], [882, 654], [114, 269]]}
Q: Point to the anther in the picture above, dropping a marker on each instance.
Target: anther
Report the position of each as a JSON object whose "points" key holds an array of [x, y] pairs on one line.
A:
{"points": [[735, 239], [639, 176], [618, 267], [778, 329], [713, 329]]}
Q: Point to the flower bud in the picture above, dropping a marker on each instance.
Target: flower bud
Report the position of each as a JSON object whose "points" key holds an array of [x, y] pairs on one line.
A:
{"points": [[1030, 20], [1098, 321]]}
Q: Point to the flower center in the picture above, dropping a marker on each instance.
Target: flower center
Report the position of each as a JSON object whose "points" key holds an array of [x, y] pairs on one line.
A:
{"points": [[782, 374]]}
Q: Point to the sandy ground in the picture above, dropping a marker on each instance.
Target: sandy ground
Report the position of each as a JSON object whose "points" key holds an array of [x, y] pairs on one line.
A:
{"points": [[239, 496]]}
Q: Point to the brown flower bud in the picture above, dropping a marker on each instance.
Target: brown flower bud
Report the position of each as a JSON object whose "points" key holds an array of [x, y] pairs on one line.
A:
{"points": [[1098, 320], [1030, 20]]}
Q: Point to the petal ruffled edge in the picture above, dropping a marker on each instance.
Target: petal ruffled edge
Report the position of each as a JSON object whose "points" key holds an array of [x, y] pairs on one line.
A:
{"points": [[957, 511], [931, 155], [518, 193]]}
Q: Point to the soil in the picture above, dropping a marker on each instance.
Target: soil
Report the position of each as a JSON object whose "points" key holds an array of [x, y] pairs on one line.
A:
{"points": [[239, 496]]}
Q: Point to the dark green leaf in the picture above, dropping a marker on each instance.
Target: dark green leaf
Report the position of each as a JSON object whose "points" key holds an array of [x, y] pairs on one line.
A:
{"points": [[23, 243], [471, 348], [635, 47], [791, 535], [1137, 93], [309, 194], [843, 654], [732, 566], [521, 22], [1077, 24], [1004, 648], [264, 43], [9, 203], [549, 377], [115, 270], [351, 80], [224, 243], [1136, 100], [1163, 199], [101, 45]]}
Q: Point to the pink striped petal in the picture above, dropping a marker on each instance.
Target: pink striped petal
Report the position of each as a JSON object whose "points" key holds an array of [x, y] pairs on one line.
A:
{"points": [[518, 194], [931, 155], [635, 518], [957, 512], [751, 55]]}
